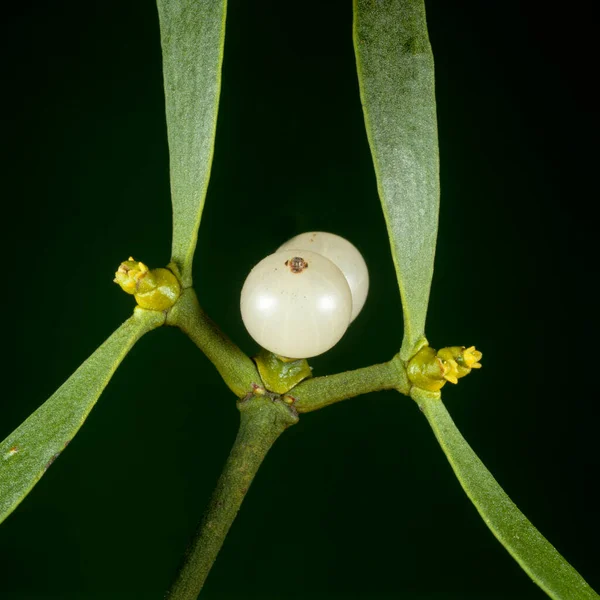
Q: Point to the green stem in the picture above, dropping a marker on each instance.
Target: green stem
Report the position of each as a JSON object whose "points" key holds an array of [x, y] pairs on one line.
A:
{"points": [[319, 392], [237, 370], [262, 421]]}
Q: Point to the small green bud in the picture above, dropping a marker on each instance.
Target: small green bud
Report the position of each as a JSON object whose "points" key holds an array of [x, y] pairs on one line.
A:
{"points": [[156, 289], [428, 371], [280, 374]]}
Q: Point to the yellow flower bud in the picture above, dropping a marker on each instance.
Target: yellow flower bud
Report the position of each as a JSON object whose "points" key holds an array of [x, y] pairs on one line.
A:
{"points": [[471, 358], [465, 358], [156, 289]]}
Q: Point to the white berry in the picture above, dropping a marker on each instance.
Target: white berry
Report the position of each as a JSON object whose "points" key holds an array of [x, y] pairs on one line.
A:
{"points": [[344, 255], [297, 304]]}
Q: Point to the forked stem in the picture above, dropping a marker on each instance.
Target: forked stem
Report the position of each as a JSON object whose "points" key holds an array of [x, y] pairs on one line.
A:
{"points": [[262, 422], [237, 370]]}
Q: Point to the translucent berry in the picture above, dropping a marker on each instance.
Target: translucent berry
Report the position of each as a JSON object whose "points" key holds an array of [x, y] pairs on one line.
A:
{"points": [[344, 255], [296, 304]]}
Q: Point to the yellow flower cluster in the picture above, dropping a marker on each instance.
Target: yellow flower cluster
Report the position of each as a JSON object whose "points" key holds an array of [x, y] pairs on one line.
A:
{"points": [[430, 370]]}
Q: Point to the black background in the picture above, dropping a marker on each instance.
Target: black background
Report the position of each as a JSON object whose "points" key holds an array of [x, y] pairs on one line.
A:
{"points": [[357, 500]]}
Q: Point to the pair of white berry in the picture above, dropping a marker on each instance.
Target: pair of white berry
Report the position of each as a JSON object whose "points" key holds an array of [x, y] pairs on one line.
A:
{"points": [[298, 302]]}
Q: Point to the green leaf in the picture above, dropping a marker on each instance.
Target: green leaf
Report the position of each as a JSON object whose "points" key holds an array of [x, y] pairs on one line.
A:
{"points": [[29, 450], [396, 79], [192, 36], [538, 558]]}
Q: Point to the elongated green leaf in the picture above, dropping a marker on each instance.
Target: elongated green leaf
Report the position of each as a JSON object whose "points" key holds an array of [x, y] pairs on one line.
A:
{"points": [[396, 79], [538, 558], [29, 450], [192, 34]]}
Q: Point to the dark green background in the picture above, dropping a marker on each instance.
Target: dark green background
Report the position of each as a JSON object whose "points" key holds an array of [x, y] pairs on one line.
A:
{"points": [[357, 500]]}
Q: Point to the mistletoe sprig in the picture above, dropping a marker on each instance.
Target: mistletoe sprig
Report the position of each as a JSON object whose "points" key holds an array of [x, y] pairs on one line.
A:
{"points": [[273, 390]]}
